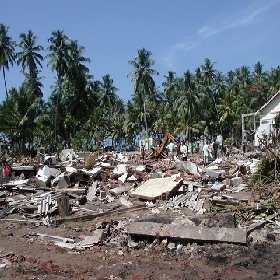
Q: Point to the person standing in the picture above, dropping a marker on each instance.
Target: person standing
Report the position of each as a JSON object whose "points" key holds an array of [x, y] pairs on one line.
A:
{"points": [[142, 153], [196, 146], [215, 149], [184, 151], [192, 146], [171, 148], [244, 144], [205, 151], [7, 170]]}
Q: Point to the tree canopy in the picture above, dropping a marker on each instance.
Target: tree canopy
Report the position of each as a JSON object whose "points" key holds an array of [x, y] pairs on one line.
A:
{"points": [[84, 111]]}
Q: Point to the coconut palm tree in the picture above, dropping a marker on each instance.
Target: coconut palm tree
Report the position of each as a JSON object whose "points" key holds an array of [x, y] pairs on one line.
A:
{"points": [[165, 105], [144, 86], [29, 57], [208, 76], [77, 84], [108, 97], [58, 59], [187, 103], [7, 52]]}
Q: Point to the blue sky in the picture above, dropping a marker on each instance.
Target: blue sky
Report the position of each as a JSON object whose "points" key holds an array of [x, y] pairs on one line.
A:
{"points": [[180, 34]]}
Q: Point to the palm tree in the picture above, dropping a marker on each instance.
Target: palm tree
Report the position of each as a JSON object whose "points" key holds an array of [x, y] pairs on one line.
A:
{"points": [[144, 86], [258, 89], [227, 107], [207, 85], [273, 81], [169, 96], [131, 123], [108, 97], [187, 102], [77, 71], [58, 60], [208, 73], [77, 84], [118, 118], [7, 51], [258, 71], [29, 57]]}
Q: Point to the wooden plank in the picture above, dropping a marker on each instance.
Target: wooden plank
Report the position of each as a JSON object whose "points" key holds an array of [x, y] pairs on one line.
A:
{"points": [[63, 206]]}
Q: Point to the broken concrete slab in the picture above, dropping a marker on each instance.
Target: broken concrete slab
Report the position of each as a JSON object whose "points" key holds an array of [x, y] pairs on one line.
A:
{"points": [[120, 190], [67, 155], [55, 238], [236, 181], [91, 194], [89, 241], [197, 234], [218, 187], [144, 228], [62, 182], [42, 182], [157, 188], [120, 169], [124, 201], [93, 172], [188, 165], [214, 173], [205, 234]]}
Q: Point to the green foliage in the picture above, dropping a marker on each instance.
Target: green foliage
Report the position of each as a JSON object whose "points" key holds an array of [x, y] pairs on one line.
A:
{"points": [[81, 141], [81, 109], [265, 171], [228, 141]]}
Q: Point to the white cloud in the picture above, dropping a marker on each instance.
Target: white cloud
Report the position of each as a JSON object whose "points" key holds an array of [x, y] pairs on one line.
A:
{"points": [[170, 59], [209, 30]]}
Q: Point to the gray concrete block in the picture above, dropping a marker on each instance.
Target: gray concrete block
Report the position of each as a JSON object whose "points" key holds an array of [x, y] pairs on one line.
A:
{"points": [[188, 233], [236, 181], [204, 234], [144, 228]]}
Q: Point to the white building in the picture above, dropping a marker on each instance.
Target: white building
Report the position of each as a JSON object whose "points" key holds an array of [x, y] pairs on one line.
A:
{"points": [[267, 113]]}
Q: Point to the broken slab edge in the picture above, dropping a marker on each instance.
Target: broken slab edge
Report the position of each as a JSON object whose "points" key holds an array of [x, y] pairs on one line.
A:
{"points": [[198, 234]]}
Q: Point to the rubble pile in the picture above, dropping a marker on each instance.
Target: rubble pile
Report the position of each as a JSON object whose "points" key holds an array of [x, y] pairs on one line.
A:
{"points": [[83, 188]]}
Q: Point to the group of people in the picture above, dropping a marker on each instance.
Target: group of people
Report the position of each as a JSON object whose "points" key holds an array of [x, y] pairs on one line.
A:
{"points": [[211, 151], [182, 150]]}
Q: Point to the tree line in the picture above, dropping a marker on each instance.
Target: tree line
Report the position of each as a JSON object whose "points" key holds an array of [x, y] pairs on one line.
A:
{"points": [[81, 108]]}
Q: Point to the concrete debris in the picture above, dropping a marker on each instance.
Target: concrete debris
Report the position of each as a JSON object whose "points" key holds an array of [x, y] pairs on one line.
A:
{"points": [[96, 185], [188, 233], [157, 188]]}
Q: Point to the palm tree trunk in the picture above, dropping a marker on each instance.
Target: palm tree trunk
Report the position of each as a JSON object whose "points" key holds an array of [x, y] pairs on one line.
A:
{"points": [[4, 75], [56, 110], [145, 119]]}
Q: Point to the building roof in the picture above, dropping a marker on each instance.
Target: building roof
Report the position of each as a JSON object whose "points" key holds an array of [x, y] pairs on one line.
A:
{"points": [[269, 101]]}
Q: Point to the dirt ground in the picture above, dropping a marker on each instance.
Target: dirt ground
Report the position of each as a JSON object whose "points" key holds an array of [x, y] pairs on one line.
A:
{"points": [[24, 255]]}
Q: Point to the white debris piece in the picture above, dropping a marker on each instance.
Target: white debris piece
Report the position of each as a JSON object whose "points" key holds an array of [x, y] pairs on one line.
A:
{"points": [[123, 177], [44, 172], [120, 169], [123, 200]]}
